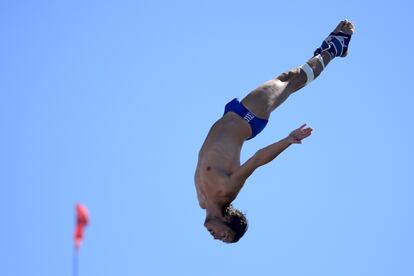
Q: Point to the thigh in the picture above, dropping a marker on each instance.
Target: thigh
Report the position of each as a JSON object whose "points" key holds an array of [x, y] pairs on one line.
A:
{"points": [[264, 99]]}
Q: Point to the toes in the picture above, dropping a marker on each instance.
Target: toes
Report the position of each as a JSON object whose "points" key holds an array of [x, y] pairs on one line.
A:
{"points": [[348, 28], [345, 26], [351, 26], [340, 26]]}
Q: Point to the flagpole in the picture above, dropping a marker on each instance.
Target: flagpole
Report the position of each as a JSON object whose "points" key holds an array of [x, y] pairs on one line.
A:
{"points": [[82, 220], [75, 263]]}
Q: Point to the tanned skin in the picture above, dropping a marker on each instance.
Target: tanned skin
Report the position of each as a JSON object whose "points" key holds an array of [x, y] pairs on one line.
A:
{"points": [[219, 176]]}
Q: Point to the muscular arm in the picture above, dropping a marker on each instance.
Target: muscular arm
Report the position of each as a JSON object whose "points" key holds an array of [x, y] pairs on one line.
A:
{"points": [[265, 155], [260, 158]]}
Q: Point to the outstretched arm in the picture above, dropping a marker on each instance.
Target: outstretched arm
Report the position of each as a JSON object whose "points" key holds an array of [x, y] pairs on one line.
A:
{"points": [[267, 154]]}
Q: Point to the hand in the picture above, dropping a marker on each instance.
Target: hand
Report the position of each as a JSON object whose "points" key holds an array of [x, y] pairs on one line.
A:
{"points": [[296, 136]]}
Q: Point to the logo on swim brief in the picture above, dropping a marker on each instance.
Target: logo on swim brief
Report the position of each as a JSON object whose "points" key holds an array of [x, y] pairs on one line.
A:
{"points": [[248, 117]]}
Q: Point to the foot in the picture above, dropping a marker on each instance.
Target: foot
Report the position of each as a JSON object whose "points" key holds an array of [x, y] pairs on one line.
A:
{"points": [[346, 27], [336, 44]]}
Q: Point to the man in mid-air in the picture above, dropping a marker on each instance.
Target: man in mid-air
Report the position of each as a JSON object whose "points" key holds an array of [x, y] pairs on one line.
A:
{"points": [[219, 176]]}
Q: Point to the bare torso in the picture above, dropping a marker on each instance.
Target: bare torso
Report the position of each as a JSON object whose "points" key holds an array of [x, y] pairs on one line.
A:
{"points": [[218, 158], [219, 176]]}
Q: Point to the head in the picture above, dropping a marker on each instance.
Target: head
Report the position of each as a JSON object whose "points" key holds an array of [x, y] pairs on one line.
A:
{"points": [[230, 228]]}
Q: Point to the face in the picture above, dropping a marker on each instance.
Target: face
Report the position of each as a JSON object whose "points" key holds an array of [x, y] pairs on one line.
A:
{"points": [[219, 230]]}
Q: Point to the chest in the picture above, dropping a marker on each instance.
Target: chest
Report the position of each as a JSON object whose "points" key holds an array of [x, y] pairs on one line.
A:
{"points": [[212, 186]]}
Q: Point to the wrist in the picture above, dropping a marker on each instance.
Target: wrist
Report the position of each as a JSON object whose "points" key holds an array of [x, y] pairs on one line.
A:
{"points": [[289, 140]]}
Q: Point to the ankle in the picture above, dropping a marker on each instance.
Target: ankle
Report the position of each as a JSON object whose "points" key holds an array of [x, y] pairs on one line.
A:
{"points": [[326, 57]]}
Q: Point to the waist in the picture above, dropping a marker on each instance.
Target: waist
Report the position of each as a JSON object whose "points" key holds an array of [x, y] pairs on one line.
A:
{"points": [[231, 127]]}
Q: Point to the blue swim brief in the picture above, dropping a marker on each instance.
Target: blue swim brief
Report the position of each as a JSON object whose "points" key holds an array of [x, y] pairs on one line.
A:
{"points": [[257, 124]]}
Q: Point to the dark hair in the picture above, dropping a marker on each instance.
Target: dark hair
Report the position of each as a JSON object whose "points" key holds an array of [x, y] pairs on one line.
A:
{"points": [[237, 222]]}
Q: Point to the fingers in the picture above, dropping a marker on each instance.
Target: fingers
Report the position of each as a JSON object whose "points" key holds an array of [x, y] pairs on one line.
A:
{"points": [[300, 133], [302, 128], [304, 132], [307, 134]]}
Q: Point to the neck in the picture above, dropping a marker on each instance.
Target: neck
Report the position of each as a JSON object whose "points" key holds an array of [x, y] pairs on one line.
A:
{"points": [[214, 211]]}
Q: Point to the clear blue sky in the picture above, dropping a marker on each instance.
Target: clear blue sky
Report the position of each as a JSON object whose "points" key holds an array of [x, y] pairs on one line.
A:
{"points": [[108, 102]]}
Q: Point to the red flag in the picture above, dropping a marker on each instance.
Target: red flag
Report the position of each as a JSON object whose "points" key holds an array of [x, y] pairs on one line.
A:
{"points": [[82, 219]]}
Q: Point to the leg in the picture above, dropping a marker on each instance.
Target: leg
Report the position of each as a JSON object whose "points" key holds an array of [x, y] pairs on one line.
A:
{"points": [[264, 99]]}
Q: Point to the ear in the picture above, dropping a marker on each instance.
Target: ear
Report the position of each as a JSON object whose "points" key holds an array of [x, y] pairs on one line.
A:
{"points": [[227, 218]]}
